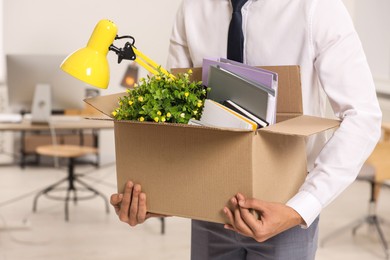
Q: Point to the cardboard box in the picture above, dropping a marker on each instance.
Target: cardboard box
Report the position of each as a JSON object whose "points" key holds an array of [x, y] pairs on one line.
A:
{"points": [[191, 171]]}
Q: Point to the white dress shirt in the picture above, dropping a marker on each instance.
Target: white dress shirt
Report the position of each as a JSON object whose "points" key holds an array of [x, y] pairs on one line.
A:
{"points": [[319, 36]]}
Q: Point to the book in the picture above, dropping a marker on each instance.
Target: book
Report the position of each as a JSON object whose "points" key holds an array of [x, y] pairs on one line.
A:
{"points": [[218, 115], [193, 121], [260, 76], [237, 108], [226, 85], [240, 64]]}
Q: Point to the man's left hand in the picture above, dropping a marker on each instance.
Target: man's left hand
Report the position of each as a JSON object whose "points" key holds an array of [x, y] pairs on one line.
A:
{"points": [[271, 219]]}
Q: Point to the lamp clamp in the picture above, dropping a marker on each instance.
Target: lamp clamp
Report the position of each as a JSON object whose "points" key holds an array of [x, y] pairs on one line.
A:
{"points": [[130, 52], [125, 53]]}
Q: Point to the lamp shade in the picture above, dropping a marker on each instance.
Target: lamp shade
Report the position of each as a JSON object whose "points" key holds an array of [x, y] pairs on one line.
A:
{"points": [[89, 64]]}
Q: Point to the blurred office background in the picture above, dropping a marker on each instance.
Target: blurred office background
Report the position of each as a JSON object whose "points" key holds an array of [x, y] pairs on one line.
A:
{"points": [[44, 28]]}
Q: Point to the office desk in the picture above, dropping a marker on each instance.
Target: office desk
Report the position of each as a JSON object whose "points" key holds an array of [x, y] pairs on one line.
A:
{"points": [[386, 131], [59, 123], [62, 124], [380, 159]]}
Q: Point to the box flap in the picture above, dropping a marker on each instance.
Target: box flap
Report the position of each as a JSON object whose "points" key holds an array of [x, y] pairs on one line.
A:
{"points": [[280, 117], [105, 104], [302, 126], [289, 97]]}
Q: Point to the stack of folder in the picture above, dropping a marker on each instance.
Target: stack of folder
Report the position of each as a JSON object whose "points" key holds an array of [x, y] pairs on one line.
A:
{"points": [[218, 115], [246, 94]]}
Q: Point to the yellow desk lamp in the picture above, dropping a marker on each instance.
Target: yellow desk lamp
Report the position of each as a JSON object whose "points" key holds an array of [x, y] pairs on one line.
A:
{"points": [[89, 64]]}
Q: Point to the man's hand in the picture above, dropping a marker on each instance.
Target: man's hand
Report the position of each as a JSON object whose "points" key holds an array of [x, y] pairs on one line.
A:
{"points": [[271, 219], [131, 205]]}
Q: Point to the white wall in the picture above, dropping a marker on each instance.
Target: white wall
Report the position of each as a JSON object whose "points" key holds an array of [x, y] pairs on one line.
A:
{"points": [[372, 22]]}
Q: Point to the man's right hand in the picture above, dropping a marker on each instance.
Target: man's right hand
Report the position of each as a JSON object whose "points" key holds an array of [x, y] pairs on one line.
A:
{"points": [[131, 205]]}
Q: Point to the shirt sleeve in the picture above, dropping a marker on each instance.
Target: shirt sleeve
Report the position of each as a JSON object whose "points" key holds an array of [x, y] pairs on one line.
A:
{"points": [[179, 54], [345, 76]]}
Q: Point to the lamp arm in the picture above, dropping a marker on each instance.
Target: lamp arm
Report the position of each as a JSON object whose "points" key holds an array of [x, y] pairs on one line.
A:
{"points": [[129, 52], [149, 62]]}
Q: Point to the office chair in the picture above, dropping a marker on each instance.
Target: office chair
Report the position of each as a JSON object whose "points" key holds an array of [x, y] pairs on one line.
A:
{"points": [[70, 152], [367, 173]]}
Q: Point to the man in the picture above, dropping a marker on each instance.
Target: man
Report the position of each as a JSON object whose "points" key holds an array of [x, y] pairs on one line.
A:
{"points": [[319, 36]]}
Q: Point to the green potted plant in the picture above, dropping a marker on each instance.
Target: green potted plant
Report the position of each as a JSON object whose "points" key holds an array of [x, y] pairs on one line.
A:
{"points": [[163, 98]]}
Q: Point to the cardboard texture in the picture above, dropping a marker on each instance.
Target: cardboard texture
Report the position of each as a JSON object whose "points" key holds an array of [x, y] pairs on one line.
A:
{"points": [[192, 171]]}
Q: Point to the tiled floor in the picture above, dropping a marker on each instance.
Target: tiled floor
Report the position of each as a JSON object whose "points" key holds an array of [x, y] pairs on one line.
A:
{"points": [[91, 234]]}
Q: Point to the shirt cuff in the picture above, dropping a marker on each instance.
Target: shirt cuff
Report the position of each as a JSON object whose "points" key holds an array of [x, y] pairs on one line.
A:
{"points": [[307, 206]]}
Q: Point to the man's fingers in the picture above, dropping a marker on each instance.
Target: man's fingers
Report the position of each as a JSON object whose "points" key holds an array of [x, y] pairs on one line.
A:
{"points": [[131, 206], [141, 215], [250, 219], [235, 219], [115, 201], [240, 224], [251, 211], [246, 203], [229, 215], [126, 200], [133, 214]]}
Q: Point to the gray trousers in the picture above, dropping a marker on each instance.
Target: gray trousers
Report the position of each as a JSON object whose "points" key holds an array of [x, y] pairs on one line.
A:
{"points": [[212, 241]]}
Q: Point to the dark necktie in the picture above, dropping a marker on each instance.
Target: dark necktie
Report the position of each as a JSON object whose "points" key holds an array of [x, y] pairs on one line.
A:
{"points": [[235, 46]]}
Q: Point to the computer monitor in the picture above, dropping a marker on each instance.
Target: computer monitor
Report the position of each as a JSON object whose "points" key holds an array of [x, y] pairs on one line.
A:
{"points": [[25, 72]]}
